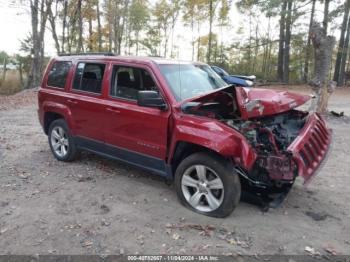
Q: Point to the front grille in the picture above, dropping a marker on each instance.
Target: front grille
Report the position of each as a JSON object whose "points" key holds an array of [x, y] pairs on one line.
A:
{"points": [[310, 149], [315, 147]]}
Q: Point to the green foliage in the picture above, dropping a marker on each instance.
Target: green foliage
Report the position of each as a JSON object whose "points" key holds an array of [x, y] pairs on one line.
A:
{"points": [[138, 15]]}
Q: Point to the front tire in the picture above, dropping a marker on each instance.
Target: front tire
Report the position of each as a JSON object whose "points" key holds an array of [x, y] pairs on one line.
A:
{"points": [[207, 184], [61, 142]]}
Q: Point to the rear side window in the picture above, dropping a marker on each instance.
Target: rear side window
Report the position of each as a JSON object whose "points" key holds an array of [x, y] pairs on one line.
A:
{"points": [[88, 77], [58, 74]]}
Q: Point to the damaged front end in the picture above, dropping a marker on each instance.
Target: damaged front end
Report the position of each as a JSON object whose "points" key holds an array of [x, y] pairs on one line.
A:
{"points": [[286, 142], [270, 137]]}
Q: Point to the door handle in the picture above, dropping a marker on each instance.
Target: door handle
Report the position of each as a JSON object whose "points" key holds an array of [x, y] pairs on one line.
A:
{"points": [[72, 101], [112, 110]]}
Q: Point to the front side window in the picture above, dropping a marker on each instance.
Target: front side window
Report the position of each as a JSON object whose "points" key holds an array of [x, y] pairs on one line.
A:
{"points": [[127, 81], [58, 74], [189, 80], [88, 77]]}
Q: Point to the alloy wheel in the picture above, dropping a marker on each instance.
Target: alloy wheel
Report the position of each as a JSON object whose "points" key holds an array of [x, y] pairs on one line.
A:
{"points": [[59, 141], [202, 188]]}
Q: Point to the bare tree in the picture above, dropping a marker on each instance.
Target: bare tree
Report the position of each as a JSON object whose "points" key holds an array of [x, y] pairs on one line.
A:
{"points": [[280, 71], [326, 15], [52, 20], [99, 31], [287, 42], [211, 18], [308, 45], [64, 24], [321, 85], [341, 80], [80, 27], [4, 69], [344, 28], [39, 13]]}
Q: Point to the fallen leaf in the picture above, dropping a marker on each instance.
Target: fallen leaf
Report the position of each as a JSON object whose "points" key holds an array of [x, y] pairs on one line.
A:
{"points": [[87, 244], [311, 251], [176, 236], [231, 241], [3, 230], [331, 251]]}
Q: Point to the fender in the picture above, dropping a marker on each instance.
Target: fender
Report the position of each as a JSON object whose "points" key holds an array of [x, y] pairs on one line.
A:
{"points": [[213, 135], [50, 106]]}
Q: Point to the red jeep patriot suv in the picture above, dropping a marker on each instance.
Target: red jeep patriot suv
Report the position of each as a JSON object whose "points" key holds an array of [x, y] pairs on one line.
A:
{"points": [[181, 120]]}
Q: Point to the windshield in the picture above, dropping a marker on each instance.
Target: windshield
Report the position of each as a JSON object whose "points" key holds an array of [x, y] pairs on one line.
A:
{"points": [[188, 80]]}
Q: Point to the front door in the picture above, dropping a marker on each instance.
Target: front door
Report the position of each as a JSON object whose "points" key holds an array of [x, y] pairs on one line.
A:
{"points": [[137, 134]]}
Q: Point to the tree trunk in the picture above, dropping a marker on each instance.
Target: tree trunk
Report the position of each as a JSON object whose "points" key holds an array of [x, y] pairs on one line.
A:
{"points": [[137, 42], [90, 35], [122, 29], [99, 33], [280, 70], [20, 70], [322, 87], [52, 20], [287, 43], [64, 25], [165, 40], [341, 80], [116, 29], [110, 25], [326, 15], [192, 30], [36, 68], [341, 41], [250, 43], [256, 49], [211, 16], [308, 45], [199, 39], [80, 27], [4, 69]]}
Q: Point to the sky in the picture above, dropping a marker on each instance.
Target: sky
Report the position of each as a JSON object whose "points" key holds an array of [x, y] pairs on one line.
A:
{"points": [[15, 25]]}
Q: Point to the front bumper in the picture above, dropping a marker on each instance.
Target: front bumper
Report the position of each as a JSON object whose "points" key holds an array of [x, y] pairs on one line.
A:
{"points": [[310, 148]]}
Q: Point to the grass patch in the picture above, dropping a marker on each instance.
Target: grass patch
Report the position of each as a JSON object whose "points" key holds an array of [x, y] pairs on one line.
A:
{"points": [[12, 83]]}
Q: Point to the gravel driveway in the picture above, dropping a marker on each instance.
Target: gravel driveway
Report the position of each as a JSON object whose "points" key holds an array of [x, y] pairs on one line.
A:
{"points": [[97, 206]]}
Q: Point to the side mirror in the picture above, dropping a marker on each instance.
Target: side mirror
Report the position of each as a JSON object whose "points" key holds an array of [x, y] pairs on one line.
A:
{"points": [[151, 99]]}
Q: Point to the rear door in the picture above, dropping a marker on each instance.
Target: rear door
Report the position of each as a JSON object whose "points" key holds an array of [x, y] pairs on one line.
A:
{"points": [[85, 99], [138, 134]]}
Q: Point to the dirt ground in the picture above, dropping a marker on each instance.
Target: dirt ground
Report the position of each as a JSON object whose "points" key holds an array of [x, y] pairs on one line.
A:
{"points": [[97, 206]]}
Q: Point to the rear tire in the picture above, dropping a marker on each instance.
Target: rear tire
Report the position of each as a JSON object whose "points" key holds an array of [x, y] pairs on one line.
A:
{"points": [[208, 184], [61, 142]]}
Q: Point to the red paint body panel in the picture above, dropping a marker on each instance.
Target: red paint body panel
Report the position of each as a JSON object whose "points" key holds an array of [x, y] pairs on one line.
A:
{"points": [[213, 135], [271, 102], [152, 132]]}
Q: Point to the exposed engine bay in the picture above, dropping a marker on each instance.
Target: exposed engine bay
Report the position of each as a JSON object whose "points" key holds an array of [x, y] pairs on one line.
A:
{"points": [[270, 136]]}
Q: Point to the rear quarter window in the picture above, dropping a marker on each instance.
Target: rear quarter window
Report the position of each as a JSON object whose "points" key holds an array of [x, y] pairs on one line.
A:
{"points": [[58, 74]]}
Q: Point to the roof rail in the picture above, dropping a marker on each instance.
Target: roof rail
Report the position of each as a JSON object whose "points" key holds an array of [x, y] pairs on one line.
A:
{"points": [[88, 53]]}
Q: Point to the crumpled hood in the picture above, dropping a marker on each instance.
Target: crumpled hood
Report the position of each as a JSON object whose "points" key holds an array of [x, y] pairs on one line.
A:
{"points": [[258, 102]]}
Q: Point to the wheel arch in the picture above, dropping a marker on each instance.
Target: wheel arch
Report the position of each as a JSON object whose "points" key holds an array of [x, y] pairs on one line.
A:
{"points": [[184, 149], [54, 111], [49, 117]]}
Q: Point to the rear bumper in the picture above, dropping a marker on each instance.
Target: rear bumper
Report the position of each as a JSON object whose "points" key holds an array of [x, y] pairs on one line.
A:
{"points": [[310, 148]]}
